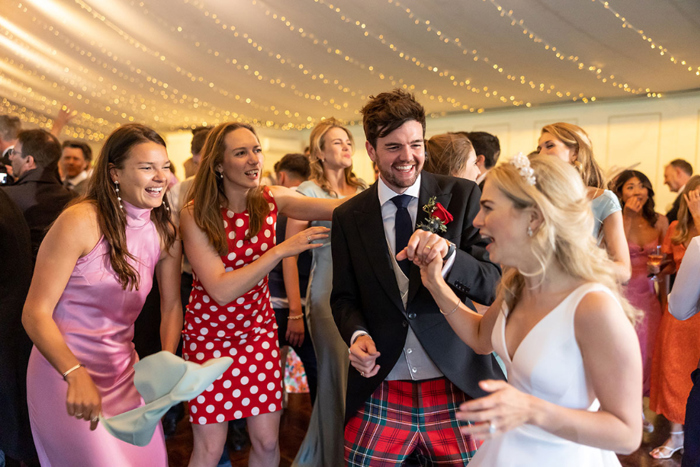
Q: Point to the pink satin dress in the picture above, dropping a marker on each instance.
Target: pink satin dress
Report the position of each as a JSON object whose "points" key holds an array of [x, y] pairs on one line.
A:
{"points": [[96, 318]]}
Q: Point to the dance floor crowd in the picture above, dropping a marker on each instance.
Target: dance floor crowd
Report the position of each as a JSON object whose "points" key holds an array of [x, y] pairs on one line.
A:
{"points": [[461, 308]]}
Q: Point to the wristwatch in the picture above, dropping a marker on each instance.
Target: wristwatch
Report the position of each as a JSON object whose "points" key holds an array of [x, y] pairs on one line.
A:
{"points": [[450, 250]]}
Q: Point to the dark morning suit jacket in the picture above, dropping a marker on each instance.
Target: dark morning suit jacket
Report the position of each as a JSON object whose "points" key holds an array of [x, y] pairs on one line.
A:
{"points": [[366, 297], [672, 215]]}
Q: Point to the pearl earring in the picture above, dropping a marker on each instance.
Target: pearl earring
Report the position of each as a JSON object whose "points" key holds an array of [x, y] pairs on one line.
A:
{"points": [[119, 198], [529, 231]]}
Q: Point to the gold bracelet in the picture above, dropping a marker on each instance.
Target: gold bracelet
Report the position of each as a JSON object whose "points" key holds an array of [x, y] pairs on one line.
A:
{"points": [[453, 309], [296, 317], [71, 370]]}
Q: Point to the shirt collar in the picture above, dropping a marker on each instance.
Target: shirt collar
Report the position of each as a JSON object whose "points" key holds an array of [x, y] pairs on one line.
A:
{"points": [[386, 194], [78, 178]]}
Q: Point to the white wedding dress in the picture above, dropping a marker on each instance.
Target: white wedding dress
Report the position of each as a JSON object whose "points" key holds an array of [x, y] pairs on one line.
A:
{"points": [[548, 365]]}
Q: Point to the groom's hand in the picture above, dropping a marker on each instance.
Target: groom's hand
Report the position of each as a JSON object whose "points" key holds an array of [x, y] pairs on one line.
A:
{"points": [[363, 356], [423, 247]]}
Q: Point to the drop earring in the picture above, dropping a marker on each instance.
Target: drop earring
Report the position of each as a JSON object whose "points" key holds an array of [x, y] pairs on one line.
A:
{"points": [[119, 198], [529, 231]]}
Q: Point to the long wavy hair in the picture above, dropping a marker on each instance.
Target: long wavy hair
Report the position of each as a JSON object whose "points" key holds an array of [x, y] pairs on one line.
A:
{"points": [[574, 137], [561, 198], [681, 234], [317, 145], [102, 193], [648, 212], [208, 195]]}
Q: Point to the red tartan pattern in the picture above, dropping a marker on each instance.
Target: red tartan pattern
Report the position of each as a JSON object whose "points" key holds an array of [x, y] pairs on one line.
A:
{"points": [[410, 423]]}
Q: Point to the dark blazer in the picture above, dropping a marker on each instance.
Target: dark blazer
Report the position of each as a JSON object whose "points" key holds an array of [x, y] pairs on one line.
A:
{"points": [[366, 297], [672, 215], [41, 197]]}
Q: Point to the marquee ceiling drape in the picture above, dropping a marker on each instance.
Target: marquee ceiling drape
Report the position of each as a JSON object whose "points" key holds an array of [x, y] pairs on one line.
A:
{"points": [[286, 64]]}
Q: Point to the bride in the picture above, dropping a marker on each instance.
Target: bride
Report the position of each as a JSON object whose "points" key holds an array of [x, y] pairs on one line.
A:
{"points": [[559, 323]]}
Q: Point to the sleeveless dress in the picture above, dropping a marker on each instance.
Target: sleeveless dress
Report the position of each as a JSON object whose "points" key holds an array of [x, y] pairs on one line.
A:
{"points": [[96, 318], [244, 329], [324, 441], [641, 294], [547, 364], [676, 353], [602, 206]]}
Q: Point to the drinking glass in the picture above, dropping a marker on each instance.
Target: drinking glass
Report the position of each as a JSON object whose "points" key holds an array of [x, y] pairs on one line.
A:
{"points": [[654, 259]]}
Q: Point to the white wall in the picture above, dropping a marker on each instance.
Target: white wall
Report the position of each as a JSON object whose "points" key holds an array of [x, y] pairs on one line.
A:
{"points": [[645, 131]]}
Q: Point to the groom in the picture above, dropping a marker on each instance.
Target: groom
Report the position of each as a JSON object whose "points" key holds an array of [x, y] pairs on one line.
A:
{"points": [[409, 371]]}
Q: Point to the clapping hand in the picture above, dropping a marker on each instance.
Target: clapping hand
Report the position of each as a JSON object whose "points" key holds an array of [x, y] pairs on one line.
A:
{"points": [[504, 409]]}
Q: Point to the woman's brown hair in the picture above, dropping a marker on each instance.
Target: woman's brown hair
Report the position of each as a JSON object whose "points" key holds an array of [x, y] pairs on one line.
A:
{"points": [[208, 195], [317, 146], [447, 154], [681, 234], [111, 218], [576, 138]]}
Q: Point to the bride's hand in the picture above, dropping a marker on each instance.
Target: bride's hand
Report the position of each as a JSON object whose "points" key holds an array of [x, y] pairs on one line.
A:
{"points": [[504, 409]]}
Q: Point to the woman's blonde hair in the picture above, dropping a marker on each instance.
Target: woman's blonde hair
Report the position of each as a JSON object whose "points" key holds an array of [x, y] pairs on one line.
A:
{"points": [[207, 191], [316, 148], [574, 137], [681, 234], [447, 154], [566, 211]]}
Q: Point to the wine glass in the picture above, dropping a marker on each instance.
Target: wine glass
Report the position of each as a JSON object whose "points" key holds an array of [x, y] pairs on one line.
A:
{"points": [[654, 259]]}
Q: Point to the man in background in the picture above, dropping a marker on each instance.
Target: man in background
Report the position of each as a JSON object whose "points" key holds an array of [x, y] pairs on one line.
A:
{"points": [[9, 129], [76, 157], [676, 175], [488, 149]]}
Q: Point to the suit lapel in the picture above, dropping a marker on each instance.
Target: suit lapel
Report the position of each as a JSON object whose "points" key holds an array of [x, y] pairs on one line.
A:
{"points": [[371, 228], [428, 188]]}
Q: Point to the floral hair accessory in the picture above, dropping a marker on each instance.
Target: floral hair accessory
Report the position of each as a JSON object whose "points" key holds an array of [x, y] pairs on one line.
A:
{"points": [[522, 163], [438, 217]]}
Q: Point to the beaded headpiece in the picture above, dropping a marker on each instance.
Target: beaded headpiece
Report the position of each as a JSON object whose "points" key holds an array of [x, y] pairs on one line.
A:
{"points": [[522, 163]]}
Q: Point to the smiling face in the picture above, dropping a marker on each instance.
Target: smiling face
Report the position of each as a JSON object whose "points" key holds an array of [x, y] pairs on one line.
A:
{"points": [[505, 226], [337, 149], [552, 146], [242, 161], [72, 161], [400, 156], [144, 176], [634, 188]]}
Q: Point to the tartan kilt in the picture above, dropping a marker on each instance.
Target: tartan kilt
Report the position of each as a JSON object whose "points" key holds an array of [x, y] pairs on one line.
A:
{"points": [[410, 423]]}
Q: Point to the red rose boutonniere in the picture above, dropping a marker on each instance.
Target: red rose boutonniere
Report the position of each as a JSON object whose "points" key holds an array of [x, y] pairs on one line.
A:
{"points": [[438, 217]]}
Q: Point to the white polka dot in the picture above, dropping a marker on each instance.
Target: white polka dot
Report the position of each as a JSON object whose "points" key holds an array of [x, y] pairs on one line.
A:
{"points": [[193, 409], [205, 316], [197, 306], [252, 368], [202, 421], [242, 360], [217, 354], [256, 257], [254, 239], [205, 298], [277, 373], [210, 409], [200, 338], [253, 389], [237, 414], [221, 333], [225, 223], [237, 393], [213, 308], [229, 214], [227, 344], [247, 231], [261, 377], [222, 317], [267, 233], [228, 405], [220, 418], [191, 419], [249, 252], [240, 300], [227, 384], [189, 327], [199, 356], [233, 352], [249, 348], [246, 324], [239, 243], [204, 331], [236, 372], [268, 366], [272, 206], [210, 388], [259, 356], [265, 345], [278, 395], [245, 402], [255, 411], [219, 397], [231, 235], [239, 222], [269, 221], [200, 399], [228, 269], [274, 352], [270, 386], [262, 398], [210, 345], [230, 326], [259, 319], [244, 380], [193, 346], [263, 247]]}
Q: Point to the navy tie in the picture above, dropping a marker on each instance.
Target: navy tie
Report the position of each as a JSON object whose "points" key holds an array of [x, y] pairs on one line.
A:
{"points": [[403, 227]]}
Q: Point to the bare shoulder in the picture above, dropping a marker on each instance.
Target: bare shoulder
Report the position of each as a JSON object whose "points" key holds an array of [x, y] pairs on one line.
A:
{"points": [[76, 228], [598, 314]]}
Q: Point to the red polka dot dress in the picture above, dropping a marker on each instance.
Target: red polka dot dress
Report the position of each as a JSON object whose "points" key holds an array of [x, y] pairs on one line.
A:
{"points": [[244, 329]]}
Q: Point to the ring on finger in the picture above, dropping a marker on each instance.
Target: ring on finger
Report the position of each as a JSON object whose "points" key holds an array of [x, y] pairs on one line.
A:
{"points": [[362, 373], [492, 427], [428, 247], [78, 415], [308, 239], [94, 419]]}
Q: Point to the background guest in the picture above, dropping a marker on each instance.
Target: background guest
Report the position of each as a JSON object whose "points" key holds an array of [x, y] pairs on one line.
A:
{"points": [[676, 175], [76, 157], [677, 352], [332, 147], [488, 149], [9, 129], [571, 143], [451, 154], [645, 230]]}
